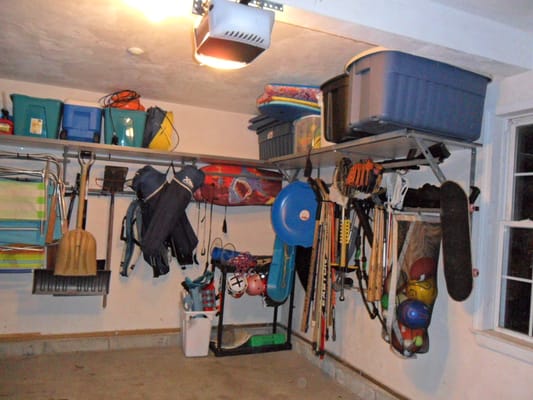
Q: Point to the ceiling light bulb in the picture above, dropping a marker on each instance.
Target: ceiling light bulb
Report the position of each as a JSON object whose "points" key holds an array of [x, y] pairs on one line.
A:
{"points": [[218, 63]]}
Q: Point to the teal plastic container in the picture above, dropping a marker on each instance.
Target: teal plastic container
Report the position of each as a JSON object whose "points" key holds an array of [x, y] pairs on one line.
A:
{"points": [[124, 127], [36, 117]]}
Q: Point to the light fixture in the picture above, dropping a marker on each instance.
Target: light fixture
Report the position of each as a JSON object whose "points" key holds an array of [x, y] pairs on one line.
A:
{"points": [[231, 35], [135, 51]]}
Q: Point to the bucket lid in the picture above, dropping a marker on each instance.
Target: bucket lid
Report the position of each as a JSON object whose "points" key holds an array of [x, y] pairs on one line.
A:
{"points": [[82, 103], [373, 50], [293, 214]]}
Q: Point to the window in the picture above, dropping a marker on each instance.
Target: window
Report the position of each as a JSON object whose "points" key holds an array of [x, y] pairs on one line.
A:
{"points": [[515, 311]]}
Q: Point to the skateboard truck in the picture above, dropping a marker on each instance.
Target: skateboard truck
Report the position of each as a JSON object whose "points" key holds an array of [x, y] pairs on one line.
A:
{"points": [[474, 194]]}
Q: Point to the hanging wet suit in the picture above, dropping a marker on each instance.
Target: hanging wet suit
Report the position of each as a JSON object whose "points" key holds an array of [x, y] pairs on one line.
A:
{"points": [[165, 223]]}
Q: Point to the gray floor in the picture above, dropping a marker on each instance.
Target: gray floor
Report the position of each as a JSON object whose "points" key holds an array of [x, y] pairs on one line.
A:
{"points": [[165, 373]]}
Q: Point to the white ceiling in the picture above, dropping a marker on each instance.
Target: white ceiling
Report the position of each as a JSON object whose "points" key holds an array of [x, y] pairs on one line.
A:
{"points": [[516, 13], [82, 44]]}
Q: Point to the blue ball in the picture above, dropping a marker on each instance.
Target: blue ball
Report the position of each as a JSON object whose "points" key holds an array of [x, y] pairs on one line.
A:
{"points": [[414, 314]]}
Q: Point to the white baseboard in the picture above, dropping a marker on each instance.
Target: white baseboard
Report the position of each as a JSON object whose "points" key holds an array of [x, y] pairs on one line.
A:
{"points": [[35, 344]]}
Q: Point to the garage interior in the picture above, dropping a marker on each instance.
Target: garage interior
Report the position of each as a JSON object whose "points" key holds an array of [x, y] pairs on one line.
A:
{"points": [[73, 347]]}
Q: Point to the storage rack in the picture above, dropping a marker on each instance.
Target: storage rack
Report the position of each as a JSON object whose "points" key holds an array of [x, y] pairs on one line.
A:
{"points": [[216, 346], [105, 152], [392, 146], [387, 146]]}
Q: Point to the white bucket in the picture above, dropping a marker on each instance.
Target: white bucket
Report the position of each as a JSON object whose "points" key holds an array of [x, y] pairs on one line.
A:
{"points": [[196, 332]]}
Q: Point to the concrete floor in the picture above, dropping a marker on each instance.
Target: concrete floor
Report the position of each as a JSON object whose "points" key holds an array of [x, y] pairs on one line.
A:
{"points": [[165, 373]]}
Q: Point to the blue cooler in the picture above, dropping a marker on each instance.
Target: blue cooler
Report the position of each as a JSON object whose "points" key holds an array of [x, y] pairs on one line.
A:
{"points": [[36, 117], [391, 90], [82, 121]]}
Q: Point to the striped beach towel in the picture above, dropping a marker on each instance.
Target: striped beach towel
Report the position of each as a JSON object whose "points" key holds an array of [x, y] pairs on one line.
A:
{"points": [[22, 200], [20, 258]]}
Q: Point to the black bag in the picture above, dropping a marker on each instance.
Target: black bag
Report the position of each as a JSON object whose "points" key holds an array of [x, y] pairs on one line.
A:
{"points": [[159, 131]]}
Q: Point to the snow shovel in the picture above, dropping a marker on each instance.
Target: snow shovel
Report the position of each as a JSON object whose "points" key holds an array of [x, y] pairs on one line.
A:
{"points": [[76, 253], [114, 178]]}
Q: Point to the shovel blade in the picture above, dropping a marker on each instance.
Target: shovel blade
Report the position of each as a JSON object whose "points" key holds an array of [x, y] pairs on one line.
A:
{"points": [[76, 254]]}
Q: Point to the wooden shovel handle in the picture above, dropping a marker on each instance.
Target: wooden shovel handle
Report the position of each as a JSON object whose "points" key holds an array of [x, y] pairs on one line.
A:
{"points": [[85, 165]]}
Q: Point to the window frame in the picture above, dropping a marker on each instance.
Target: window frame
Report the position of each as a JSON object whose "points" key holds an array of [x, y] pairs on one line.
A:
{"points": [[496, 210], [506, 223]]}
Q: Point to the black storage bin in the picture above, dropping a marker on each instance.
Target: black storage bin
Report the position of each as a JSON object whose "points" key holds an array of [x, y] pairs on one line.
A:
{"points": [[337, 94], [276, 141]]}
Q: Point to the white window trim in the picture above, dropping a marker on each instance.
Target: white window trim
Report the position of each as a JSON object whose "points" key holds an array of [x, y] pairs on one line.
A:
{"points": [[498, 152]]}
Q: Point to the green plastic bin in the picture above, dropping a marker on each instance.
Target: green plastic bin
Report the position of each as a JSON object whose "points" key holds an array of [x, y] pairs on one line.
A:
{"points": [[36, 117], [124, 127]]}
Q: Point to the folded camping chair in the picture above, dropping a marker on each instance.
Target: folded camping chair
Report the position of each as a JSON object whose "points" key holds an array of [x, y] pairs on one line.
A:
{"points": [[26, 192], [25, 201]]}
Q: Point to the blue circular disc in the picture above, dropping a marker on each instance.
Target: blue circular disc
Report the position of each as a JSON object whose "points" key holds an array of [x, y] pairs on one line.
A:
{"points": [[293, 214]]}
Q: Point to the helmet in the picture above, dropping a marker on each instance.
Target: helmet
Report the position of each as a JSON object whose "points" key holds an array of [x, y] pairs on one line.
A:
{"points": [[425, 291], [423, 268], [256, 285], [414, 314], [237, 284]]}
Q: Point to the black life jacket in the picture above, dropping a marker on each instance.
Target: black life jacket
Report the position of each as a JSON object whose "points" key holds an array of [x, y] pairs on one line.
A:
{"points": [[165, 223]]}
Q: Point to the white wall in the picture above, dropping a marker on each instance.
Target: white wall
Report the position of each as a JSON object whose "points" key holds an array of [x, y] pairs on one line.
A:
{"points": [[141, 301]]}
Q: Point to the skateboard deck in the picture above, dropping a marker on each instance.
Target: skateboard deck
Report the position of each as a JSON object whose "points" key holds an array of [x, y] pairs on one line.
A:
{"points": [[456, 247]]}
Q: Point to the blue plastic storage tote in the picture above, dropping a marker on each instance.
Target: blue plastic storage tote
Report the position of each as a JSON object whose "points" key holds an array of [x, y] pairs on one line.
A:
{"points": [[391, 90], [82, 121]]}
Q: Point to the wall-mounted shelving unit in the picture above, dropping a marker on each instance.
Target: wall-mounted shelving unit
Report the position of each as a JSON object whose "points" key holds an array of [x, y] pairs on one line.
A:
{"points": [[106, 152], [387, 146]]}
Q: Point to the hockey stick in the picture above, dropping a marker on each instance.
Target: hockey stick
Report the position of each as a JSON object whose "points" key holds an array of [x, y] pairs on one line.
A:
{"points": [[304, 325]]}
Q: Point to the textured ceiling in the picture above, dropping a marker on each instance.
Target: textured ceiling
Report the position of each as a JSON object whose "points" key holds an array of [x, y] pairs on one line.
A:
{"points": [[516, 13], [82, 44]]}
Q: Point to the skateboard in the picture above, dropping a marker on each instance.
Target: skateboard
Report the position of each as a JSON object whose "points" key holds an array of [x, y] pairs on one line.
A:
{"points": [[456, 246]]}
